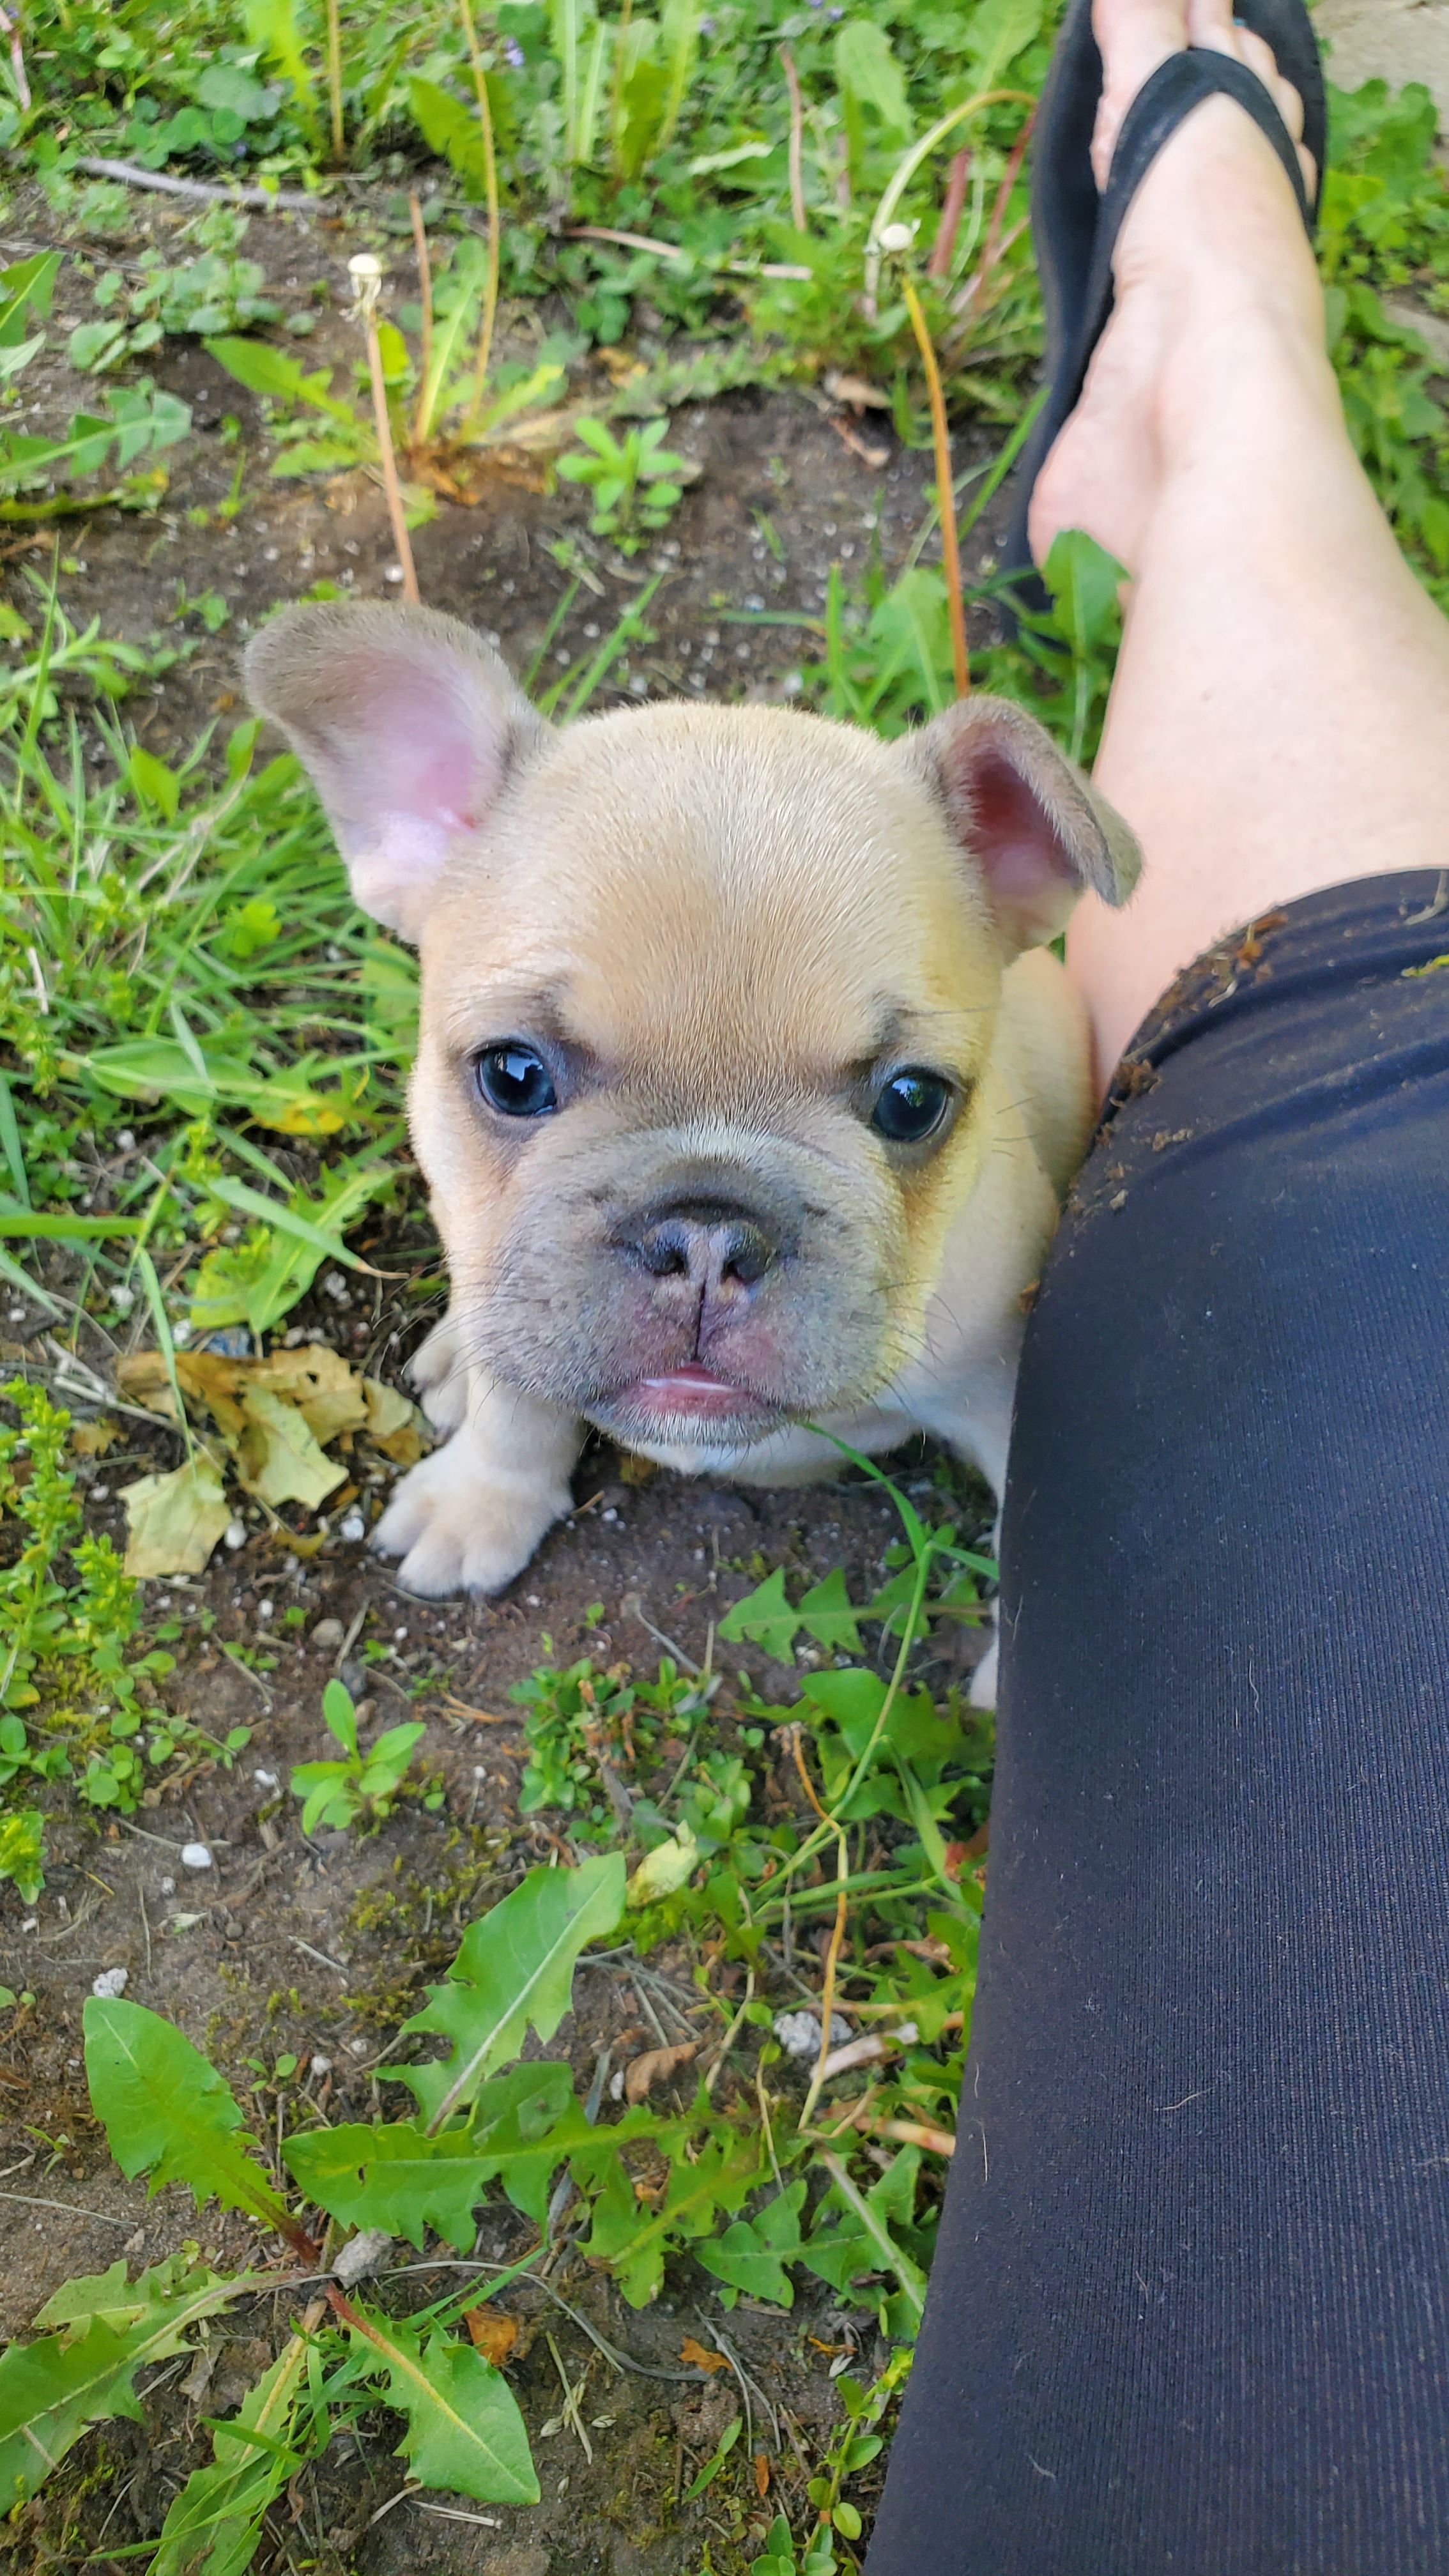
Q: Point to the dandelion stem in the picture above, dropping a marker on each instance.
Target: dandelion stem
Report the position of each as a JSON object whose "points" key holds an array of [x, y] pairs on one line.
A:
{"points": [[945, 488]]}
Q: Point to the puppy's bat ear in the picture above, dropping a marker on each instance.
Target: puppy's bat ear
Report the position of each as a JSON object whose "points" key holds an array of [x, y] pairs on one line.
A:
{"points": [[1036, 828], [409, 726]]}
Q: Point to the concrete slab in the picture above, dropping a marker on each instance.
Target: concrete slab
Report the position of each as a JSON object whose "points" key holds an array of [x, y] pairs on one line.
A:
{"points": [[1392, 40]]}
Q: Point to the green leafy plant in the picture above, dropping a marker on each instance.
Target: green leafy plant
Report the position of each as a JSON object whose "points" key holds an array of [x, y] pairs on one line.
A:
{"points": [[360, 1787], [442, 421], [584, 1726], [210, 294], [633, 481], [719, 2175], [139, 423], [68, 1616]]}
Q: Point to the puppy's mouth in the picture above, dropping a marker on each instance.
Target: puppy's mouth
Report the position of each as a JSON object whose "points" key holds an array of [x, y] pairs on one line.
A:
{"points": [[687, 1401]]}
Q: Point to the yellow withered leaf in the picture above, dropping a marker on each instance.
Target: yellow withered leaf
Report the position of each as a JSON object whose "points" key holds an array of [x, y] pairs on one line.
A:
{"points": [[279, 1458], [174, 1522]]}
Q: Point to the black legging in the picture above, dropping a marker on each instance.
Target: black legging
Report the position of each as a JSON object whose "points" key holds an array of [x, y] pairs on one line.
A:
{"points": [[1190, 2306]]}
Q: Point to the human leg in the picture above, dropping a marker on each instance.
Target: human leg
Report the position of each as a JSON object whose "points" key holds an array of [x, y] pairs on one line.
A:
{"points": [[1280, 716], [1190, 2307]]}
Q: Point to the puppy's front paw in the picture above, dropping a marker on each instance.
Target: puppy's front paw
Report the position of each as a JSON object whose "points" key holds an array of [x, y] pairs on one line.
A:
{"points": [[439, 1370], [458, 1531]]}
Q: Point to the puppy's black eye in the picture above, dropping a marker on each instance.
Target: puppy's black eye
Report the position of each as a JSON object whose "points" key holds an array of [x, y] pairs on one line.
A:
{"points": [[516, 1082], [911, 1106]]}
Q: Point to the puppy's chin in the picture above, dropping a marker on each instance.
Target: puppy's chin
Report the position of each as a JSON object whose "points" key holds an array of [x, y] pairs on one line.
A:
{"points": [[686, 1408]]}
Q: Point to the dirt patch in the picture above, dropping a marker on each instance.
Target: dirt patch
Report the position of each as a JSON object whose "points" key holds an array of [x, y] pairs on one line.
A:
{"points": [[787, 486], [316, 1950]]}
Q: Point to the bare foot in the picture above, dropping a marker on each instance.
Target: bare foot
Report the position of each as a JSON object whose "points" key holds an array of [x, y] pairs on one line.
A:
{"points": [[1216, 289]]}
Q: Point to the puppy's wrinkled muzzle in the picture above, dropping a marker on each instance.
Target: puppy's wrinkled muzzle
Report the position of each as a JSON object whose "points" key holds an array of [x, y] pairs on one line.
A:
{"points": [[704, 1261], [701, 1266]]}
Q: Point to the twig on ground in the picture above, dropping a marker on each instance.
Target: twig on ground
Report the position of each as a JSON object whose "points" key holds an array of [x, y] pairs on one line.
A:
{"points": [[255, 1679], [288, 201], [399, 2496], [68, 2209], [350, 1640], [572, 2414], [728, 2041]]}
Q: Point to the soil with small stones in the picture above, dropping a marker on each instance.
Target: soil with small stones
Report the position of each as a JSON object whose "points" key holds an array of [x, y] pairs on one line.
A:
{"points": [[786, 485], [317, 1949]]}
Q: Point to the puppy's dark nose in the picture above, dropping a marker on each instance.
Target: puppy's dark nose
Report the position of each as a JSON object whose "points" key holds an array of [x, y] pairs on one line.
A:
{"points": [[714, 1251]]}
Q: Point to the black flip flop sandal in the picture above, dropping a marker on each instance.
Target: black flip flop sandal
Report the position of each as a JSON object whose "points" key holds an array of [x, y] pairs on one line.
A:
{"points": [[1075, 229]]}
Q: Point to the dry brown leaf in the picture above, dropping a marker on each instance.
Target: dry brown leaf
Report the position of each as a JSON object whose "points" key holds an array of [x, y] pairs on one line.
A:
{"points": [[621, 366], [762, 2475], [493, 2334], [328, 1394], [174, 1521], [393, 1423], [855, 391], [278, 1458], [699, 2356], [654, 2066], [93, 1439], [203, 1377]]}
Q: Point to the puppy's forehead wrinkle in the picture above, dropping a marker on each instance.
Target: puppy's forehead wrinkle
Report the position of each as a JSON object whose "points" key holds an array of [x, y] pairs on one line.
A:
{"points": [[758, 867]]}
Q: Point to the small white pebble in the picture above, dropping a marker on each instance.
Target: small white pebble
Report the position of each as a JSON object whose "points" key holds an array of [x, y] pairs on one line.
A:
{"points": [[799, 2033], [168, 1886], [123, 1299], [362, 2256], [320, 2066], [352, 1527], [181, 1334], [31, 1923], [534, 1602], [616, 2085], [100, 1493], [393, 572], [357, 2047], [16, 1314], [235, 1534], [609, 1515], [265, 1779], [399, 1634], [195, 1856], [265, 1609], [110, 1983]]}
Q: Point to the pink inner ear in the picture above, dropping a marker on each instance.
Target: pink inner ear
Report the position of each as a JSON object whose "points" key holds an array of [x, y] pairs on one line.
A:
{"points": [[423, 758], [1014, 839]]}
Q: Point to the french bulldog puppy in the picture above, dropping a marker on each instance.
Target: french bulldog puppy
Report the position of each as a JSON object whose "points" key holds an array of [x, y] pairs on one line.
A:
{"points": [[747, 1092]]}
